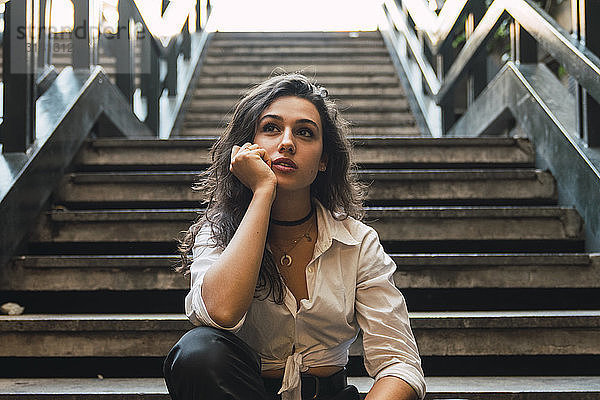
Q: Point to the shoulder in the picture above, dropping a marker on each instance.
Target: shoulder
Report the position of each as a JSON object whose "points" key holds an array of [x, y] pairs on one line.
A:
{"points": [[360, 231], [348, 230]]}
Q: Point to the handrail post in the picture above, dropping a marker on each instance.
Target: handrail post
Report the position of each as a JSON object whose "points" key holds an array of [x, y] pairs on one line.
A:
{"points": [[477, 79], [84, 35], [124, 45], [45, 34], [18, 126], [585, 16], [445, 59], [198, 15], [527, 47], [151, 86], [80, 35], [200, 12], [186, 44], [171, 78]]}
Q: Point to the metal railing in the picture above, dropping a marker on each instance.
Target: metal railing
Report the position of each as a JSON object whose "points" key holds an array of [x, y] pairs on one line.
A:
{"points": [[47, 115], [457, 95], [28, 67], [423, 40]]}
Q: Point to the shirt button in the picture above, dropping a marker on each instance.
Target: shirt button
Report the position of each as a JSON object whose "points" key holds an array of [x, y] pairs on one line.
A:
{"points": [[310, 269]]}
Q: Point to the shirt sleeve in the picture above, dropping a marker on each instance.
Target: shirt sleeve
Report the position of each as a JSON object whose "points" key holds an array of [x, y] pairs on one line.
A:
{"points": [[205, 252], [389, 346]]}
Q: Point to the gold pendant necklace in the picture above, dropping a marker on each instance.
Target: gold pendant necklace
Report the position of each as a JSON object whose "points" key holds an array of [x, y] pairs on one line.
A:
{"points": [[286, 259]]}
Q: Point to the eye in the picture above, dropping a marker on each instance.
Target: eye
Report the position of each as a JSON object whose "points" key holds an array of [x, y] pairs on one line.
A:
{"points": [[269, 127], [305, 132]]}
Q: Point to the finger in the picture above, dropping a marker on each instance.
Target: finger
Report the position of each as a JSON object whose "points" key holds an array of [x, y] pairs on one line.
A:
{"points": [[245, 147], [264, 155], [259, 151], [234, 150]]}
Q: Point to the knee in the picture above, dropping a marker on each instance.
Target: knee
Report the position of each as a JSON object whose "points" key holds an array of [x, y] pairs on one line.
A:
{"points": [[200, 352]]}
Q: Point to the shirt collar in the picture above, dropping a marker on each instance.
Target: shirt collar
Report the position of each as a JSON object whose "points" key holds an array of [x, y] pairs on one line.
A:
{"points": [[330, 229]]}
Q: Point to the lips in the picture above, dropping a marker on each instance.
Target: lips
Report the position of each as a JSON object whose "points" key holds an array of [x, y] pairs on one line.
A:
{"points": [[286, 162]]}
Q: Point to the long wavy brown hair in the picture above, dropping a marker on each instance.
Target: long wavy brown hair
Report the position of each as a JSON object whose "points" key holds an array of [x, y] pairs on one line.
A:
{"points": [[227, 199]]}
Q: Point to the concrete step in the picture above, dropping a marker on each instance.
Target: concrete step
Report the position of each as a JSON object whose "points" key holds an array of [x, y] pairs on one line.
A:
{"points": [[380, 117], [399, 152], [220, 42], [402, 121], [394, 224], [523, 271], [409, 131], [415, 271], [464, 333], [386, 186], [307, 59], [330, 82], [374, 104], [474, 388], [341, 92], [307, 68], [357, 119], [293, 50]]}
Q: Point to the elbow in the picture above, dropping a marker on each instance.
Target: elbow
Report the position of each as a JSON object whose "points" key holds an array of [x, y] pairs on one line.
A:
{"points": [[226, 321], [223, 317]]}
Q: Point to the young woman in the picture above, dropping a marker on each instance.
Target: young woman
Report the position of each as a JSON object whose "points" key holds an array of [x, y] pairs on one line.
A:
{"points": [[284, 274]]}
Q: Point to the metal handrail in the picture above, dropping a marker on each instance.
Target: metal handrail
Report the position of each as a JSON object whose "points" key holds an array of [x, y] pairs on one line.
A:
{"points": [[437, 27], [151, 23], [18, 122], [579, 61]]}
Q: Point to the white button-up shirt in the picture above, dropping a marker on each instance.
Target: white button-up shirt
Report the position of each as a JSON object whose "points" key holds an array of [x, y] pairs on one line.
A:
{"points": [[350, 287]]}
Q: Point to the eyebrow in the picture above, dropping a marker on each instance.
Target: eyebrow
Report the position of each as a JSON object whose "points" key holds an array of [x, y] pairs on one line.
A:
{"points": [[279, 118]]}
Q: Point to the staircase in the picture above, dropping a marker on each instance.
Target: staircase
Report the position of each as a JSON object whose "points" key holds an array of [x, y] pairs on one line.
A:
{"points": [[503, 298], [356, 70]]}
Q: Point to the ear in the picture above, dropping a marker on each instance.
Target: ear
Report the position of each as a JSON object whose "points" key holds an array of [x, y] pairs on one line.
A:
{"points": [[323, 163]]}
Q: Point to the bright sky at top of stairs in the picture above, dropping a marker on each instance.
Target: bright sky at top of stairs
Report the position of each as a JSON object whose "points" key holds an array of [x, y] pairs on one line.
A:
{"points": [[295, 15]]}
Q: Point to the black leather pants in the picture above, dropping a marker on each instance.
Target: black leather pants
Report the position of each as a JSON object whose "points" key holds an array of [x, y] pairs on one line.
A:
{"points": [[209, 363]]}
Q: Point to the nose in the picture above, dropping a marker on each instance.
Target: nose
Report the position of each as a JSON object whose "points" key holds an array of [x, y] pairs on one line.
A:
{"points": [[287, 141]]}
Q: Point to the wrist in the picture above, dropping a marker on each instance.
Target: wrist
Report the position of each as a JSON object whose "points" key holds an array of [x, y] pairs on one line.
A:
{"points": [[266, 192]]}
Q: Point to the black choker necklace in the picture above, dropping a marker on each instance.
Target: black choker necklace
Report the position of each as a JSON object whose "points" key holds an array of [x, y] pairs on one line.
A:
{"points": [[296, 222]]}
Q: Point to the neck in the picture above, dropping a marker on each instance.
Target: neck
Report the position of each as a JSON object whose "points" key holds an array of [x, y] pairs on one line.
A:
{"points": [[290, 206]]}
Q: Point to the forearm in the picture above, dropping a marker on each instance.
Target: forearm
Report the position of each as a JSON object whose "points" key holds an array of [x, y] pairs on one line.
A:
{"points": [[229, 285], [391, 388]]}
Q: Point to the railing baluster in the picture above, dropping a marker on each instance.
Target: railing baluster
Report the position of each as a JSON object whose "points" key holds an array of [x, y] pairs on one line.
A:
{"points": [[171, 78], [586, 14], [445, 60], [81, 35], [199, 15], [477, 79], [186, 44], [124, 45], [151, 87], [45, 34], [18, 127], [528, 47]]}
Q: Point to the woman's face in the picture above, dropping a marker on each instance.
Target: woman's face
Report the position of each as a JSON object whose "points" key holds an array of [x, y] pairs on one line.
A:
{"points": [[291, 132]]}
